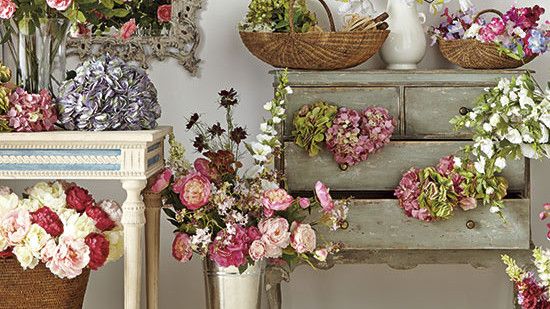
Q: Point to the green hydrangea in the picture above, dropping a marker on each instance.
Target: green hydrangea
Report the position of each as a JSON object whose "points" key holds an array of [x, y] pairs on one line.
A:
{"points": [[5, 73], [272, 15], [437, 194], [310, 124]]}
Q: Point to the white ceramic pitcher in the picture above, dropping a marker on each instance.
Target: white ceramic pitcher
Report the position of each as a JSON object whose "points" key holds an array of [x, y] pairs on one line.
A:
{"points": [[406, 44]]}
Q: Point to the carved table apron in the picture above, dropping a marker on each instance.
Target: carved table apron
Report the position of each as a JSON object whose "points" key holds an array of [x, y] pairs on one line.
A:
{"points": [[129, 156], [422, 102]]}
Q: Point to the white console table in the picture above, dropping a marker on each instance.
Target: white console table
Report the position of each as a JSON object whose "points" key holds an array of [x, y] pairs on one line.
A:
{"points": [[129, 156]]}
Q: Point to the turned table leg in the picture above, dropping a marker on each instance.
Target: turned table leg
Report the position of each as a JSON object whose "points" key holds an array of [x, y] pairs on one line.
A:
{"points": [[133, 220], [153, 204]]}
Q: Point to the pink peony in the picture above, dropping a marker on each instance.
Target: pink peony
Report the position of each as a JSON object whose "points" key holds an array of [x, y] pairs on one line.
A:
{"points": [[101, 218], [99, 250], [323, 195], [194, 190], [68, 259], [48, 220], [7, 9], [79, 199], [230, 249], [277, 199], [275, 235], [302, 238], [128, 29], [60, 5], [31, 112], [181, 248], [15, 225], [163, 181], [253, 233], [164, 13], [257, 250], [204, 167], [304, 202]]}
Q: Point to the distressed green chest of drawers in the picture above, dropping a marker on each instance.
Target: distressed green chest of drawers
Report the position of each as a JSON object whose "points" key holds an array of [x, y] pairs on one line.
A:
{"points": [[422, 102]]}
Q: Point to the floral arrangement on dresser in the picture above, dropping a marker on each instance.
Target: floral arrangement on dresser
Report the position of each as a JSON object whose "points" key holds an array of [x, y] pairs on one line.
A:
{"points": [[21, 111], [351, 136], [108, 94], [532, 286], [519, 33], [61, 225], [234, 217]]}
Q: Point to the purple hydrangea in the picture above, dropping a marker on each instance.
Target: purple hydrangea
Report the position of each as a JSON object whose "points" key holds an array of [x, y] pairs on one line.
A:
{"points": [[108, 94]]}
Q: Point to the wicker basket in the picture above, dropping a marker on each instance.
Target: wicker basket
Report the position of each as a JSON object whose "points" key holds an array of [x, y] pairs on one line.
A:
{"points": [[473, 54], [314, 50], [39, 288]]}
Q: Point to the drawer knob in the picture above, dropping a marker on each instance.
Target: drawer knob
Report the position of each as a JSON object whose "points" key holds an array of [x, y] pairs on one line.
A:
{"points": [[343, 167], [464, 111], [470, 224]]}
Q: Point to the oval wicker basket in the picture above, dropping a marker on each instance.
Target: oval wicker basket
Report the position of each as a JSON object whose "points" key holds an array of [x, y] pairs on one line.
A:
{"points": [[39, 288], [314, 50], [473, 54]]}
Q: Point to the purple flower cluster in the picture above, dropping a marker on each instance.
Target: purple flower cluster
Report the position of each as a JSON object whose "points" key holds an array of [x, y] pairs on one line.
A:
{"points": [[354, 136], [29, 112], [108, 94]]}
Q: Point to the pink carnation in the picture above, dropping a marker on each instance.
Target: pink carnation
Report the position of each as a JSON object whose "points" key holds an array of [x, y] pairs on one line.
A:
{"points": [[181, 247], [128, 29], [48, 220], [31, 112], [68, 259], [7, 9], [60, 5], [15, 225], [277, 199], [323, 195], [162, 181], [99, 250], [194, 190]]}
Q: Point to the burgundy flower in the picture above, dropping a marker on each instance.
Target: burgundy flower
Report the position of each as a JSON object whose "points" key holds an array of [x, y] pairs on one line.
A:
{"points": [[238, 135], [99, 250], [216, 130], [228, 98], [200, 144], [48, 220], [101, 218], [79, 199], [6, 253], [192, 121]]}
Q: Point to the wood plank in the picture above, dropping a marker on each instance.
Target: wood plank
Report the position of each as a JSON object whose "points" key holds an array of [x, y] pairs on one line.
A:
{"points": [[354, 98], [382, 171], [428, 110], [381, 224]]}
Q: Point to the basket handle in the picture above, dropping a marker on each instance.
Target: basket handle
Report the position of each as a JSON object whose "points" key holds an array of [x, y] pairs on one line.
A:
{"points": [[499, 13], [325, 6]]}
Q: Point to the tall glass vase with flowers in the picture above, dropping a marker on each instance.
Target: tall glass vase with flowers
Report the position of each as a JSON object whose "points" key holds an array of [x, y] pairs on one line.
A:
{"points": [[238, 219]]}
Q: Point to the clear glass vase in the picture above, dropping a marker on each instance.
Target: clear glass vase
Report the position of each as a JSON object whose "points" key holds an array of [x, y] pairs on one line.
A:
{"points": [[39, 54]]}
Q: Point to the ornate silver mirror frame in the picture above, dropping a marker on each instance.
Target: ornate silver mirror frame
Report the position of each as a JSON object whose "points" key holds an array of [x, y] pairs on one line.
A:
{"points": [[181, 41]]}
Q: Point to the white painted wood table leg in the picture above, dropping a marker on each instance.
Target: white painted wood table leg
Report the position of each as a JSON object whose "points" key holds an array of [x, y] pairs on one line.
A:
{"points": [[133, 220], [153, 204]]}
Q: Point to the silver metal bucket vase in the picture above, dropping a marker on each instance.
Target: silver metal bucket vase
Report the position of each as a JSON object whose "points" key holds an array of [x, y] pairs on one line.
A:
{"points": [[227, 289]]}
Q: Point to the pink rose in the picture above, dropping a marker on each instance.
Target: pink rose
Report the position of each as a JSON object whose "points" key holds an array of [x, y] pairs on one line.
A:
{"points": [[162, 182], [275, 232], [15, 225], [194, 190], [468, 203], [277, 199], [302, 238], [60, 5], [164, 13], [324, 197], [7, 9], [257, 250], [181, 247], [128, 29], [304, 202], [68, 259]]}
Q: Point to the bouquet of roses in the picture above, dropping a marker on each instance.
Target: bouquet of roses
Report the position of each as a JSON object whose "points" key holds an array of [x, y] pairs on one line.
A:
{"points": [[237, 220], [60, 225], [518, 33], [532, 292]]}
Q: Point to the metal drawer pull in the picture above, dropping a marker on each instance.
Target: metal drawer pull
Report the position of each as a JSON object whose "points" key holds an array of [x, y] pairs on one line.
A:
{"points": [[464, 111], [343, 167], [470, 224]]}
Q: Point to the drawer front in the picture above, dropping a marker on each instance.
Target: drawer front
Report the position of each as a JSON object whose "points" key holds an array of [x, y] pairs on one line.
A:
{"points": [[355, 98], [381, 224], [428, 110], [382, 171]]}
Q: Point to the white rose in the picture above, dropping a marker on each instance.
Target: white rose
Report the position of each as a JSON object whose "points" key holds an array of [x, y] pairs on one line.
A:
{"points": [[8, 202], [116, 243], [513, 136], [51, 195], [257, 250], [500, 163], [77, 225], [25, 257], [30, 205], [36, 239], [302, 238], [275, 232]]}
